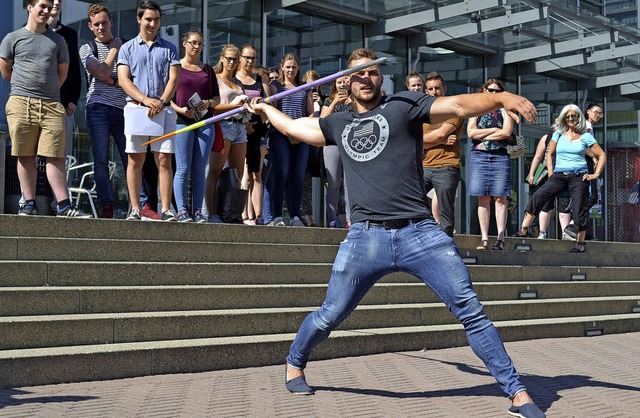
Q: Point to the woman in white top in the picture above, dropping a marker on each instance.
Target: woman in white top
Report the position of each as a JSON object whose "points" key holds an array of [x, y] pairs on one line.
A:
{"points": [[233, 128]]}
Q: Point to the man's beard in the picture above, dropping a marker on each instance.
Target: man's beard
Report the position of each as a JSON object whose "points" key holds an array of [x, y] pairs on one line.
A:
{"points": [[373, 98]]}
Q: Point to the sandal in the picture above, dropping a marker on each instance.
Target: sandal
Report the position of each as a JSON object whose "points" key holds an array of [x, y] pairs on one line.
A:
{"points": [[499, 245], [484, 246], [524, 232], [579, 248]]}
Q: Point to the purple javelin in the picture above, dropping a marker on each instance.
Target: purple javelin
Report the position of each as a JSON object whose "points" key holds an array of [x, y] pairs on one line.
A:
{"points": [[270, 99]]}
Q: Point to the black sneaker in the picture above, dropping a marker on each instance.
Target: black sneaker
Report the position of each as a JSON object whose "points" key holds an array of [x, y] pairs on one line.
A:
{"points": [[27, 209], [73, 212], [168, 216]]}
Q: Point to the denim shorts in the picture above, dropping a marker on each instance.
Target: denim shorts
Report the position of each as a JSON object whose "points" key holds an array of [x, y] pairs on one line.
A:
{"points": [[234, 132], [489, 174]]}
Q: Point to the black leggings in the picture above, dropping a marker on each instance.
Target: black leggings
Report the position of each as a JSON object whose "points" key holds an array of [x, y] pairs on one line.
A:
{"points": [[553, 186]]}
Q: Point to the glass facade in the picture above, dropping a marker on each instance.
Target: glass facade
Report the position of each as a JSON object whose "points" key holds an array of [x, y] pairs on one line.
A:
{"points": [[554, 53]]}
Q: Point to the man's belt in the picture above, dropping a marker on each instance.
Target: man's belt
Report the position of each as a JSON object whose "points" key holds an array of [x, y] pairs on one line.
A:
{"points": [[393, 223]]}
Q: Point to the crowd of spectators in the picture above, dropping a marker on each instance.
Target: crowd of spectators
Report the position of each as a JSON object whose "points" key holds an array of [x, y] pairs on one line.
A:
{"points": [[142, 89]]}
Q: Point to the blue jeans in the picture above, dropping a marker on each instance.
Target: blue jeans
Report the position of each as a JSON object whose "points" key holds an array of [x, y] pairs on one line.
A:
{"points": [[103, 121], [288, 164], [422, 249], [192, 155]]}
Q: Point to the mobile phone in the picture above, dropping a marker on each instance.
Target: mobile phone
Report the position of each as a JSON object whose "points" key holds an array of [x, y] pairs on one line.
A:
{"points": [[342, 89]]}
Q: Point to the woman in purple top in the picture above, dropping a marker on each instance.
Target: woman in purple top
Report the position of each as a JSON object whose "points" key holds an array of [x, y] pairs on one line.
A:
{"points": [[196, 96], [288, 156]]}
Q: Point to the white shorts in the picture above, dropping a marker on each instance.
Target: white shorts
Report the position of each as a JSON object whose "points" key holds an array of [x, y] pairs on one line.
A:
{"points": [[166, 146]]}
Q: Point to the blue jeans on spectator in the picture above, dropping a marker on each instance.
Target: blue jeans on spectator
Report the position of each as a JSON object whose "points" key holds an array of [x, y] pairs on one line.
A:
{"points": [[423, 249], [288, 164], [192, 155], [103, 121]]}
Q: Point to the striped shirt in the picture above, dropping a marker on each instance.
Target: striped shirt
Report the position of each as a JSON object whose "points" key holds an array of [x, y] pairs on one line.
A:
{"points": [[99, 91], [294, 105]]}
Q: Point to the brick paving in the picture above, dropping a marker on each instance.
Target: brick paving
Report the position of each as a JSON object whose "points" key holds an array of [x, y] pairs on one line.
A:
{"points": [[595, 377]]}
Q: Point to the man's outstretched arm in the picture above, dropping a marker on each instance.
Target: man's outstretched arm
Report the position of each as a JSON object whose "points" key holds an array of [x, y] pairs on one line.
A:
{"points": [[476, 104], [303, 129]]}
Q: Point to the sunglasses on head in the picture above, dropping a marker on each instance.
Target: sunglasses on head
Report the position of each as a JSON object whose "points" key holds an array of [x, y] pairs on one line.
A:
{"points": [[490, 90]]}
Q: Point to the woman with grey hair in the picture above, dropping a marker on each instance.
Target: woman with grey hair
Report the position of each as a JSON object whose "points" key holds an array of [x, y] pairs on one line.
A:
{"points": [[568, 169]]}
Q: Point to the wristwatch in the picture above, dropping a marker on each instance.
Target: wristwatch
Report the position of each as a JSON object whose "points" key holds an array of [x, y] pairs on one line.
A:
{"points": [[164, 103]]}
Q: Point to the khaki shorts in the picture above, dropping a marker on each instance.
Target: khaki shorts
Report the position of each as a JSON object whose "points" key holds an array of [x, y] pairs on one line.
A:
{"points": [[36, 127]]}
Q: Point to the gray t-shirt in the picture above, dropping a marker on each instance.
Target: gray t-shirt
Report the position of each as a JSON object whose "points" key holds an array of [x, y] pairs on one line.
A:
{"points": [[36, 57], [381, 152]]}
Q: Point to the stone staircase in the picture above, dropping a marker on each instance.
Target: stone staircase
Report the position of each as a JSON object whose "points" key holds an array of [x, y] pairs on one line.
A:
{"points": [[92, 299]]}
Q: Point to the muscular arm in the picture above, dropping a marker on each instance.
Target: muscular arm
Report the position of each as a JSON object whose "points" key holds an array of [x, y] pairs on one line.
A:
{"points": [[6, 67], [476, 104], [431, 138], [303, 129]]}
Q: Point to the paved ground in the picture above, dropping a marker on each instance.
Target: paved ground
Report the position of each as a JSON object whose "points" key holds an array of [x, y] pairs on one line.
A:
{"points": [[594, 377]]}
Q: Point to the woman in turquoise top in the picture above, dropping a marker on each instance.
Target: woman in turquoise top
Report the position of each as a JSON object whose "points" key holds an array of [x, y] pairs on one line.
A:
{"points": [[568, 169]]}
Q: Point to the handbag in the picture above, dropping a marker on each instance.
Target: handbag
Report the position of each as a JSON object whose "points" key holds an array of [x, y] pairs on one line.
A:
{"points": [[231, 198], [518, 149], [634, 197]]}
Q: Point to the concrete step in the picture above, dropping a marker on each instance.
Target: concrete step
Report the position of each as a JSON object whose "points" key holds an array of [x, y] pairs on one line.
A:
{"points": [[112, 299], [12, 226], [39, 366], [118, 273], [73, 249], [62, 330], [52, 227], [550, 258], [167, 251]]}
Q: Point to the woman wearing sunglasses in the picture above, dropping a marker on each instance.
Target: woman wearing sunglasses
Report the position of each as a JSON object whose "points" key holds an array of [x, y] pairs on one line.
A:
{"points": [[490, 167], [233, 128], [568, 169]]}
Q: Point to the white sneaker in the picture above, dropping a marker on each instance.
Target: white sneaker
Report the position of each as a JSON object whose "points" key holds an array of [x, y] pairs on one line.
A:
{"points": [[567, 237], [542, 235], [277, 221], [296, 222]]}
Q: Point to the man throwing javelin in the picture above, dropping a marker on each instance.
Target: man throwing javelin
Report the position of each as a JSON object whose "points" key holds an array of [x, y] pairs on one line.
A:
{"points": [[392, 229]]}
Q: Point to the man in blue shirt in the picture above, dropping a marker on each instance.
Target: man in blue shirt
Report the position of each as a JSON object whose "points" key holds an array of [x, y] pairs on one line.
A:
{"points": [[148, 69]]}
